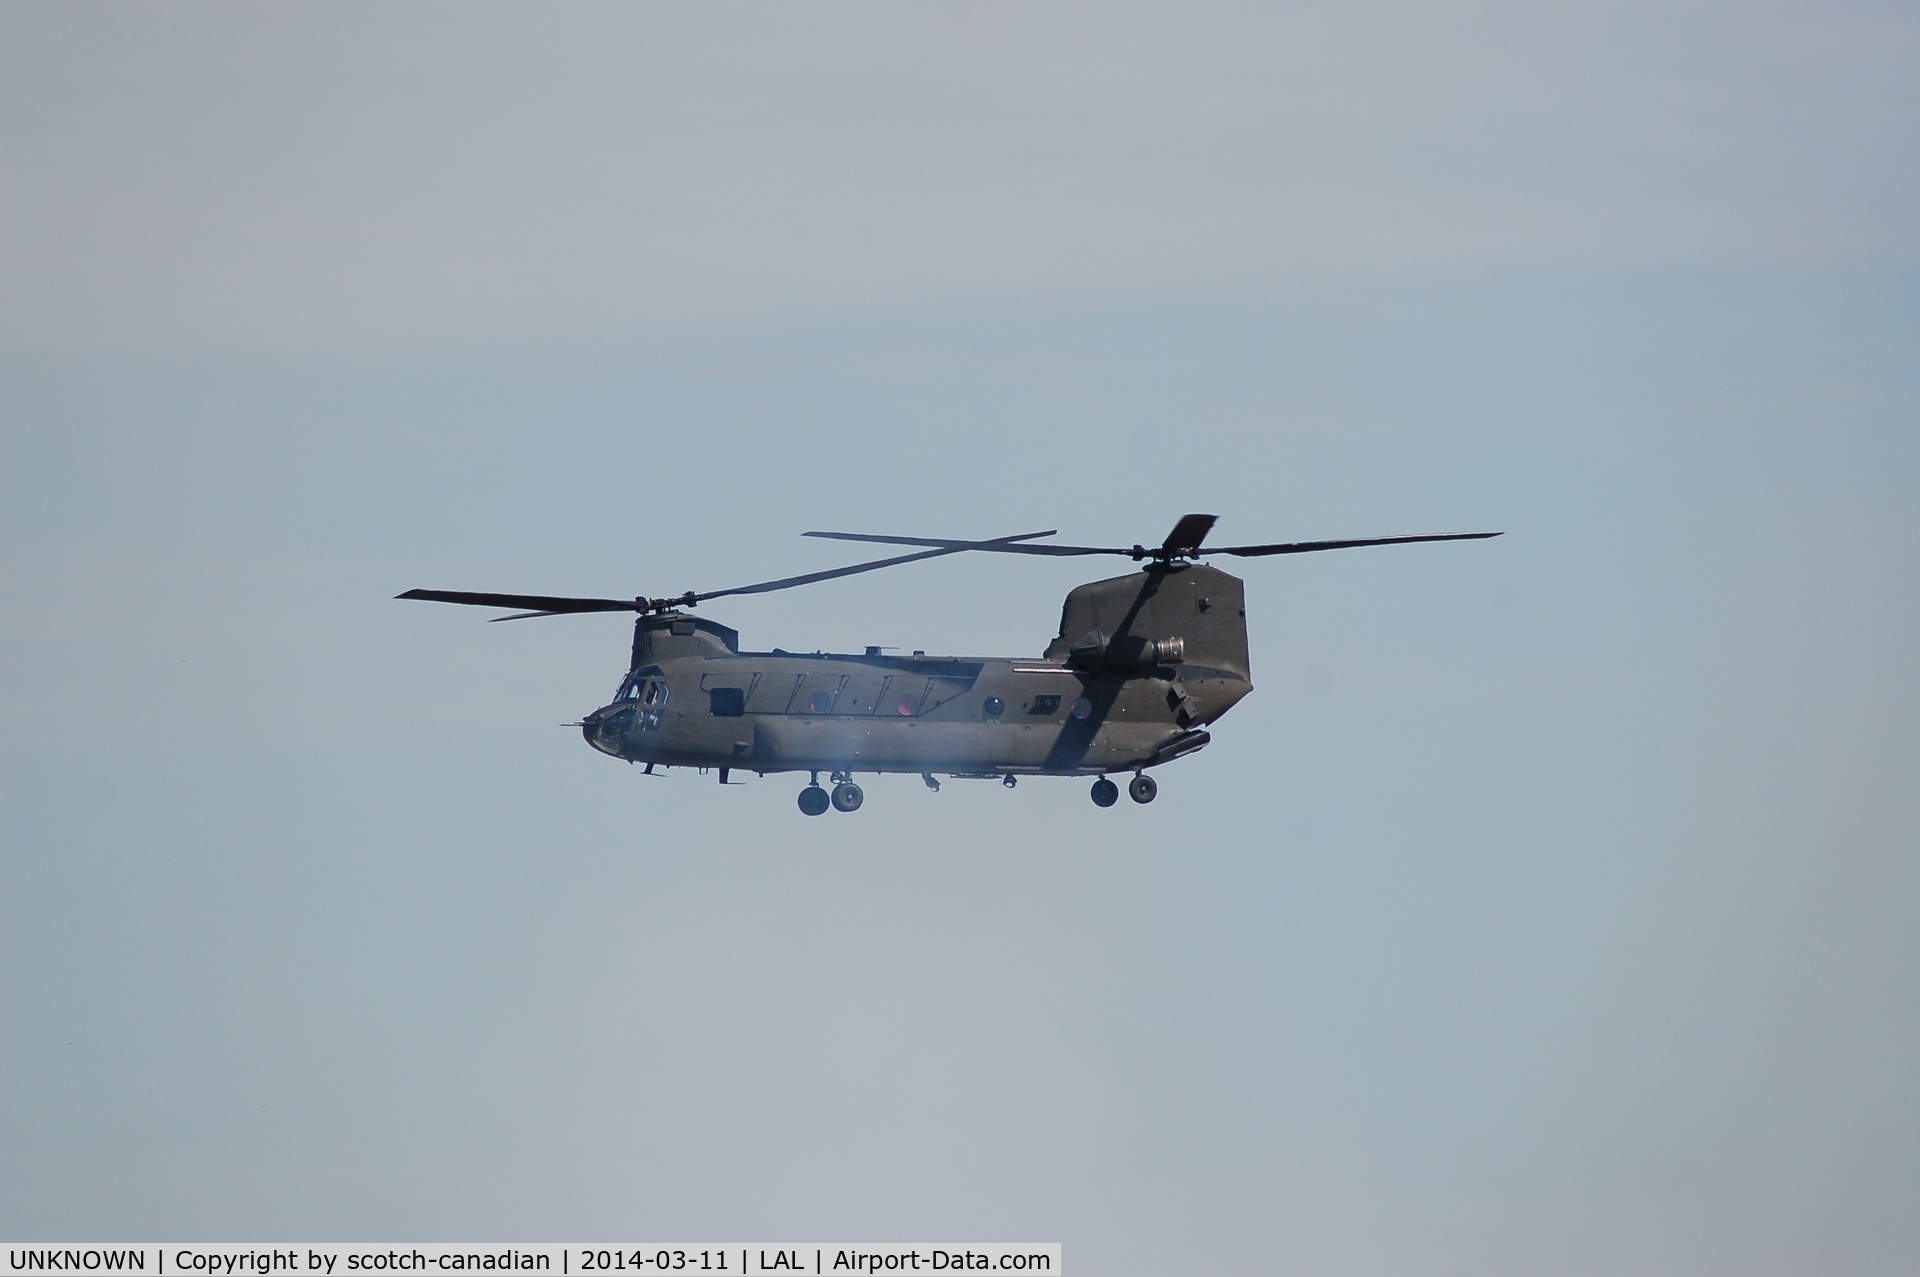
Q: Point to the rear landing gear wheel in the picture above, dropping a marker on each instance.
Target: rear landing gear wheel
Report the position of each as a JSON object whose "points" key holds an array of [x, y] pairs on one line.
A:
{"points": [[813, 800], [1141, 788], [847, 796], [1105, 793]]}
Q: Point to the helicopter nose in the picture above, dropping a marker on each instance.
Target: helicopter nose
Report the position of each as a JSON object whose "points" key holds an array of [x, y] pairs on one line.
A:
{"points": [[606, 729]]}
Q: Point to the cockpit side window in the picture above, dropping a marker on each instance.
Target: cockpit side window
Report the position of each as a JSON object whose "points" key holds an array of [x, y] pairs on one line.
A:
{"points": [[637, 684]]}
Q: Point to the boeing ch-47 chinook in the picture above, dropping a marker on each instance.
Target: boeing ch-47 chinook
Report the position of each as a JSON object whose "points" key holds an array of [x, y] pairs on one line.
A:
{"points": [[1142, 665]]}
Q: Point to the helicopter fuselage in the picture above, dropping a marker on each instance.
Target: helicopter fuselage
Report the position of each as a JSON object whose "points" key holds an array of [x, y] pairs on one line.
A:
{"points": [[994, 716], [1141, 665]]}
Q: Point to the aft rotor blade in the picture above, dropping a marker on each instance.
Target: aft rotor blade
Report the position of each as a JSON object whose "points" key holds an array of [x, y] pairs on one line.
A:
{"points": [[1188, 533], [788, 582], [531, 604], [1306, 547], [1188, 526], [1001, 546]]}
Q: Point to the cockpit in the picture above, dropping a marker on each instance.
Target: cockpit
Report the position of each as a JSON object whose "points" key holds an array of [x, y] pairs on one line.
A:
{"points": [[639, 706], [649, 690]]}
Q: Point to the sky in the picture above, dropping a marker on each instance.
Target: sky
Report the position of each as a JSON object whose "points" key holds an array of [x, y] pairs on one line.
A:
{"points": [[1551, 906]]}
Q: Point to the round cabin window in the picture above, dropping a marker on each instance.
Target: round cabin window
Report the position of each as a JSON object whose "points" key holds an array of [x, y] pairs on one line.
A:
{"points": [[905, 706], [1082, 707], [994, 707], [819, 702]]}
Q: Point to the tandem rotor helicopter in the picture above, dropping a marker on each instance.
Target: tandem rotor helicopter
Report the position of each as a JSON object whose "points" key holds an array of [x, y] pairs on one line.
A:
{"points": [[1142, 665]]}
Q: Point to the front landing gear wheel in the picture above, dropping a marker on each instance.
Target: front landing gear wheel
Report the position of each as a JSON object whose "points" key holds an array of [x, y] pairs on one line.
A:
{"points": [[1141, 788], [813, 800], [1105, 793], [847, 796]]}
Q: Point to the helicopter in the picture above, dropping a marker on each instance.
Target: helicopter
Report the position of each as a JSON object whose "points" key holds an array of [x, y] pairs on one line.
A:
{"points": [[1142, 666]]}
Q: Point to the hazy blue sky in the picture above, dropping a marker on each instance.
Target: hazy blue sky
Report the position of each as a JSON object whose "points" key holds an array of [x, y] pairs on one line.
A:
{"points": [[1552, 906]]}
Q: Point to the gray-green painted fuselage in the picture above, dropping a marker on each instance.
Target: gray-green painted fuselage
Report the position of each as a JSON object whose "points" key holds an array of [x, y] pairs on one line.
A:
{"points": [[1141, 665]]}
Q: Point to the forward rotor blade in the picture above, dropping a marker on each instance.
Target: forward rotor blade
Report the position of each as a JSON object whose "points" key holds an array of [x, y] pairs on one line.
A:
{"points": [[788, 582], [1001, 546], [1307, 547], [534, 604]]}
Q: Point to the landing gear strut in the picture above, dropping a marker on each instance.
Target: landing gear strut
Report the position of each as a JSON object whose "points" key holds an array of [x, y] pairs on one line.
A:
{"points": [[1105, 793]]}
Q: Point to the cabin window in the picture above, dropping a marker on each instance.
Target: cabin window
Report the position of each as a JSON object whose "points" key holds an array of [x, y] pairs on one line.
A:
{"points": [[727, 702], [1044, 705], [994, 707], [906, 705], [819, 703], [1082, 707]]}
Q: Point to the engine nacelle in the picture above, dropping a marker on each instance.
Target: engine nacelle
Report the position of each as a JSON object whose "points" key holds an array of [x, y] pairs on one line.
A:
{"points": [[1126, 652]]}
